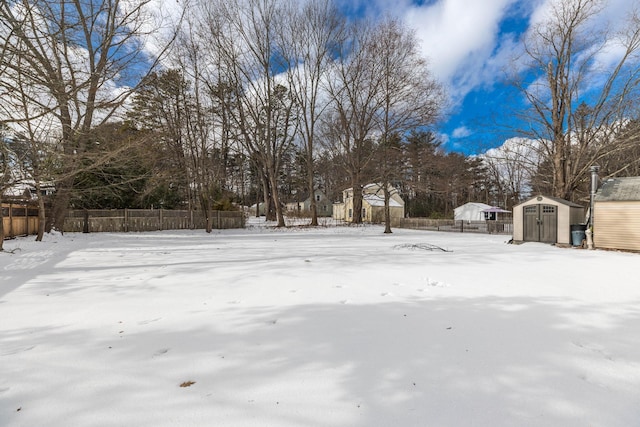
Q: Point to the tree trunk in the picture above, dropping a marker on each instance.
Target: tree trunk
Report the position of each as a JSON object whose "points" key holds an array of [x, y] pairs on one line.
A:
{"points": [[276, 200], [269, 211], [387, 210], [1, 225], [205, 203], [59, 207], [357, 200], [41, 215], [313, 206]]}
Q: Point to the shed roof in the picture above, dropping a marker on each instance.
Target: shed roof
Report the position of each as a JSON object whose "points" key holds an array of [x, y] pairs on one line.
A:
{"points": [[619, 189], [555, 199]]}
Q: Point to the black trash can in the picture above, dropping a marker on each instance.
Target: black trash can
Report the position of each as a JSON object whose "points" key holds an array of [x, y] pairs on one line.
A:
{"points": [[578, 234]]}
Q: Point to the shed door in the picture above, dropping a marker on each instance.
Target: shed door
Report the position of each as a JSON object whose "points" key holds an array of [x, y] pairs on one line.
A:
{"points": [[540, 223]]}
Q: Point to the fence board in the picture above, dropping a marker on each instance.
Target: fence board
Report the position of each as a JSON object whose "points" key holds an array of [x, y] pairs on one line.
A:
{"points": [[19, 219], [123, 220]]}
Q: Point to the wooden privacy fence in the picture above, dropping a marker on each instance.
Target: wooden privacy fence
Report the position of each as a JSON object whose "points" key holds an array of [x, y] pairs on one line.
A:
{"points": [[488, 227], [123, 220], [19, 219]]}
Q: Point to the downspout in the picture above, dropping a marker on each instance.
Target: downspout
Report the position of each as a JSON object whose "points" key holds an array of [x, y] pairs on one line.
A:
{"points": [[594, 187]]}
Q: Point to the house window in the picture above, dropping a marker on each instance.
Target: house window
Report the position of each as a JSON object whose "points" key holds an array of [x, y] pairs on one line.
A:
{"points": [[350, 213], [364, 213], [317, 197]]}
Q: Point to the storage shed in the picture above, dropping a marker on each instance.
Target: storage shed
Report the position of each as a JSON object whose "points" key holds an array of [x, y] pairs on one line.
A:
{"points": [[616, 214], [546, 219]]}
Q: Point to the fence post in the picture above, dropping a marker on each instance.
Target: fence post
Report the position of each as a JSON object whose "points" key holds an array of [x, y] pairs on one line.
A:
{"points": [[85, 226], [218, 224], [11, 220], [160, 219], [462, 226], [126, 220]]}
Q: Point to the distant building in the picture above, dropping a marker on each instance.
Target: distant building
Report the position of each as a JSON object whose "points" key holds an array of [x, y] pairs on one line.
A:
{"points": [[26, 190], [475, 211], [324, 207], [372, 204]]}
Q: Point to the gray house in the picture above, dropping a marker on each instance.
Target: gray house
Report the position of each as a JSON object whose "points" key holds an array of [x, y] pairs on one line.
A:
{"points": [[616, 214], [324, 206]]}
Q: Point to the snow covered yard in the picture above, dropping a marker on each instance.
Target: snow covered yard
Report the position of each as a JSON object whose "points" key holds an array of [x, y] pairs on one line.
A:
{"points": [[336, 326]]}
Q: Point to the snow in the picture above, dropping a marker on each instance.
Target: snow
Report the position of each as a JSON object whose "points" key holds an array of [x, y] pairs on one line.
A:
{"points": [[334, 326]]}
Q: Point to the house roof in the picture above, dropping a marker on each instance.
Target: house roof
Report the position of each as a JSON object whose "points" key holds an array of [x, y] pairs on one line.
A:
{"points": [[477, 205], [619, 189], [495, 209]]}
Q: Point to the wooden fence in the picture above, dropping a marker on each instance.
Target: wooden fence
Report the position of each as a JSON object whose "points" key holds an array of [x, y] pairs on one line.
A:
{"points": [[124, 220], [19, 219], [487, 227]]}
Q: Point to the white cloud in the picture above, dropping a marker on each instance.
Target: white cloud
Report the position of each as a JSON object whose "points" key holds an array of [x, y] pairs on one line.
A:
{"points": [[461, 132], [461, 38]]}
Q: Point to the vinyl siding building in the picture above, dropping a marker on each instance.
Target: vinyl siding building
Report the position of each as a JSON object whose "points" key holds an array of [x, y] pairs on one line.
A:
{"points": [[616, 214]]}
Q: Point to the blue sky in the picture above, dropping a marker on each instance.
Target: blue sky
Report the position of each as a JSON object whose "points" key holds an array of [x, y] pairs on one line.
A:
{"points": [[470, 45]]}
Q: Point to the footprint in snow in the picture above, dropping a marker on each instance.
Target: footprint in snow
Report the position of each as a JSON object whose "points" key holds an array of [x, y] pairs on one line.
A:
{"points": [[345, 301], [435, 283], [161, 352], [386, 294], [146, 322], [16, 350]]}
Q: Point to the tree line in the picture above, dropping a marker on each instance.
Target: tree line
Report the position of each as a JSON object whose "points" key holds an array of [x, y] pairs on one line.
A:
{"points": [[230, 103]]}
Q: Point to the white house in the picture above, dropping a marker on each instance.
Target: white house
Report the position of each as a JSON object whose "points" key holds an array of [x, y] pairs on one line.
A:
{"points": [[472, 211]]}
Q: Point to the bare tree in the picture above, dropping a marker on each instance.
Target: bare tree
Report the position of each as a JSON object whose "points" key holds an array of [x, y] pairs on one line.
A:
{"points": [[578, 104], [410, 97], [354, 84], [313, 29], [511, 168], [5, 175], [205, 141], [265, 114], [82, 58]]}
